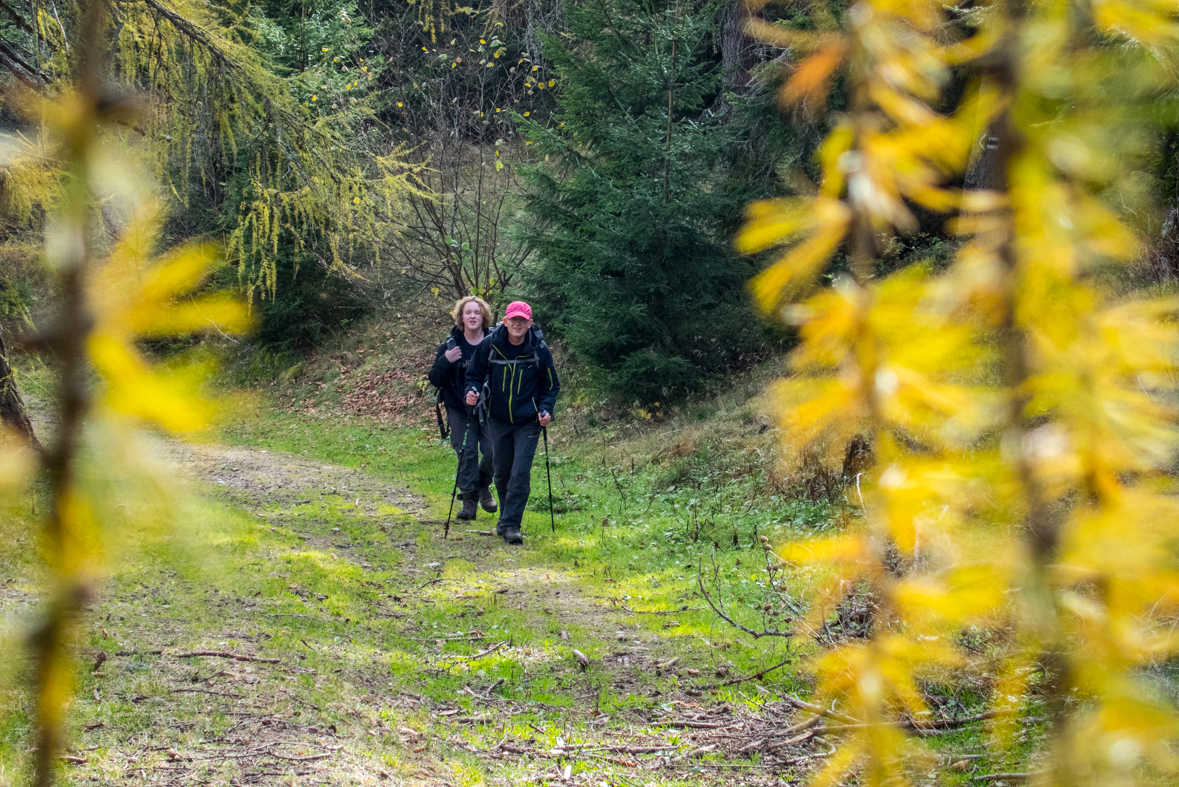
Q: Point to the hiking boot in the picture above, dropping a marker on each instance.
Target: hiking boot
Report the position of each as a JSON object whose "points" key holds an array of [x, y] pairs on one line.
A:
{"points": [[500, 528], [487, 501], [469, 508], [512, 535]]}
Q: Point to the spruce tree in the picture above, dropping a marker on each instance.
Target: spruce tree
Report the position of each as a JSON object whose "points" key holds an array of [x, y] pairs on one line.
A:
{"points": [[626, 207]]}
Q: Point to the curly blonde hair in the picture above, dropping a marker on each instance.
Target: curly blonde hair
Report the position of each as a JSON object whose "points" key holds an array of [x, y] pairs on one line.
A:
{"points": [[457, 312]]}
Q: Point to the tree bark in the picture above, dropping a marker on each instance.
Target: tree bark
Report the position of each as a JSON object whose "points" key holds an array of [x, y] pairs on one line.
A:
{"points": [[985, 170], [738, 53], [12, 406]]}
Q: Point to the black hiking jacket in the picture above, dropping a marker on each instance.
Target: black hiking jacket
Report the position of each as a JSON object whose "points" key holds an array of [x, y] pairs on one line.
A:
{"points": [[451, 378], [522, 382]]}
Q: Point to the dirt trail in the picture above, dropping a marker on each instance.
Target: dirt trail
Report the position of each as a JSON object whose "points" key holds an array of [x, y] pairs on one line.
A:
{"points": [[259, 480], [304, 697]]}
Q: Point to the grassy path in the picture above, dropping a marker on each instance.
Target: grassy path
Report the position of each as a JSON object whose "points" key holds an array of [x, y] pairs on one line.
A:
{"points": [[316, 629]]}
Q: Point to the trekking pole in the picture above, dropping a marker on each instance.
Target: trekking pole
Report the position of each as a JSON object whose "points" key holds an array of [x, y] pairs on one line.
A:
{"points": [[457, 469], [544, 430]]}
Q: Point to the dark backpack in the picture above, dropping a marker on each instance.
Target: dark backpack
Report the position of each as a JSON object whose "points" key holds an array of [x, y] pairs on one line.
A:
{"points": [[443, 427]]}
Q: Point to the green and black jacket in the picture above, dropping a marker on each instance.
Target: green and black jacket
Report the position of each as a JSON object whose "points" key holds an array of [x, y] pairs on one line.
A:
{"points": [[520, 379]]}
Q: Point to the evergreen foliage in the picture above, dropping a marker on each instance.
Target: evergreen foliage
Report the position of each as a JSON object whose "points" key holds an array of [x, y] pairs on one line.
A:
{"points": [[625, 208]]}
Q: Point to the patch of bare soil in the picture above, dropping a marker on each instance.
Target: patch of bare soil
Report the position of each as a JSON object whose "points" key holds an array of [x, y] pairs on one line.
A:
{"points": [[258, 480]]}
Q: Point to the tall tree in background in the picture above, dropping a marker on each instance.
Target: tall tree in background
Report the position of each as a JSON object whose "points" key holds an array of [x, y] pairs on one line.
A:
{"points": [[454, 98], [625, 209], [262, 130]]}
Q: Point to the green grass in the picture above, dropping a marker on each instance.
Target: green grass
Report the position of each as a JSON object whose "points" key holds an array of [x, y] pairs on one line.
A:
{"points": [[655, 537], [381, 625]]}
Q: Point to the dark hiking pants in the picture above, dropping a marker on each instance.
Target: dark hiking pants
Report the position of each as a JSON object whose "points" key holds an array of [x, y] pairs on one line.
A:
{"points": [[512, 447], [474, 472]]}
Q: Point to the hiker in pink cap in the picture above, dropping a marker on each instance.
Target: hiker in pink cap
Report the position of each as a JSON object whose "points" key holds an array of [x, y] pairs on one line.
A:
{"points": [[513, 370]]}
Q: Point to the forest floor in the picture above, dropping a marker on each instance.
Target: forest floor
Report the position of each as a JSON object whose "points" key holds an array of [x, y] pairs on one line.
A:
{"points": [[333, 636]]}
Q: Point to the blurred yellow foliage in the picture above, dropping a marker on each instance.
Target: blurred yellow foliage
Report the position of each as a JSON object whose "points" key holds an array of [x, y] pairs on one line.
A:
{"points": [[112, 290], [1021, 416]]}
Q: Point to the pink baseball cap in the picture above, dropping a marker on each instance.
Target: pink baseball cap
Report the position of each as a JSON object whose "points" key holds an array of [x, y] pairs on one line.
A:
{"points": [[518, 309]]}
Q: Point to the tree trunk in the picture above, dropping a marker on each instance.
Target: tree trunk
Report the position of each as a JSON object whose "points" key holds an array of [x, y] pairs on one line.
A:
{"points": [[986, 164], [12, 406], [737, 53]]}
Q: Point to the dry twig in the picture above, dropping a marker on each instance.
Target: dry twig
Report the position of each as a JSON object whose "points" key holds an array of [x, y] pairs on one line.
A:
{"points": [[995, 777], [221, 654], [720, 613]]}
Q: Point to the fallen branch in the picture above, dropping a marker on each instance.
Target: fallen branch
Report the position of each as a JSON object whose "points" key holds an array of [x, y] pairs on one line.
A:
{"points": [[221, 654], [949, 724], [695, 752], [813, 721], [448, 639], [831, 714], [641, 749], [660, 611], [483, 653], [615, 760], [204, 691], [806, 736], [139, 652], [803, 758], [690, 725], [930, 728], [481, 532], [517, 750], [757, 676], [20, 69], [308, 758], [485, 696], [994, 777]]}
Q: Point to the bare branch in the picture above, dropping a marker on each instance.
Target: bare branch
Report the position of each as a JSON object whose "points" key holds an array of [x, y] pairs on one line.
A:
{"points": [[720, 613], [187, 28]]}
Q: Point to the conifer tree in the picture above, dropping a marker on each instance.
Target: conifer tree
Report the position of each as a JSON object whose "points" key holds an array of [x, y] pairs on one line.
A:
{"points": [[625, 209]]}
